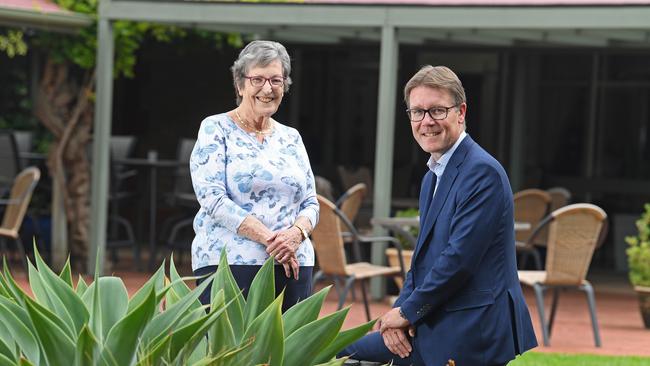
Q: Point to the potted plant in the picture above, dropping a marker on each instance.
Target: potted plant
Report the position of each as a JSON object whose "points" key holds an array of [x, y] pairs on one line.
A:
{"points": [[407, 244], [638, 257]]}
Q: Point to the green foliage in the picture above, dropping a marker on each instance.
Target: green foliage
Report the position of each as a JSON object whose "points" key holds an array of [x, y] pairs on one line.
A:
{"points": [[12, 43], [638, 252], [557, 359], [414, 230], [163, 323], [80, 48]]}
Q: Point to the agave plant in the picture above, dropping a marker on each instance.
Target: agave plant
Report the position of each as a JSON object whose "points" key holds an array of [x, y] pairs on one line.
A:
{"points": [[163, 323]]}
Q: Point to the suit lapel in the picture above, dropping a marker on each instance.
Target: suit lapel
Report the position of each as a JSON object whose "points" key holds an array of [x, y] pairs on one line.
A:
{"points": [[426, 194], [444, 187]]}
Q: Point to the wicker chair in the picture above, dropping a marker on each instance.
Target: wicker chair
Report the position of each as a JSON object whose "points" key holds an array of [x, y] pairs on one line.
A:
{"points": [[560, 197], [328, 242], [16, 208], [531, 205], [350, 201], [575, 231]]}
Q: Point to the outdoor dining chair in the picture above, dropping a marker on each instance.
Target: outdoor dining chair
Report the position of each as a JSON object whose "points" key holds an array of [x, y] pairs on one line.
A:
{"points": [[177, 230], [120, 233], [350, 201], [327, 239], [16, 208], [531, 206], [574, 232], [560, 197]]}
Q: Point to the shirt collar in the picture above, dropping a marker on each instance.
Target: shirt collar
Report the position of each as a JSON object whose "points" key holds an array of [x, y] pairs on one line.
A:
{"points": [[438, 167]]}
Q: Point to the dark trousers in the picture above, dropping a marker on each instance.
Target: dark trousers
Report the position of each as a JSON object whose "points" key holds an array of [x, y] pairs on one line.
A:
{"points": [[295, 290], [372, 348]]}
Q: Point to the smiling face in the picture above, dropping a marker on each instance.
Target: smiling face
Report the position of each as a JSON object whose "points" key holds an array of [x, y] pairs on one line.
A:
{"points": [[436, 136], [264, 101]]}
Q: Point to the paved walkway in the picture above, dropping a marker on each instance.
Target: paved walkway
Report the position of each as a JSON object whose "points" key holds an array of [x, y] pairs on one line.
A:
{"points": [[621, 325]]}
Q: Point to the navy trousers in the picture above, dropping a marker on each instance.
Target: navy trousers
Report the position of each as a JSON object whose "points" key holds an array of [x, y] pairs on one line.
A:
{"points": [[295, 290], [372, 348]]}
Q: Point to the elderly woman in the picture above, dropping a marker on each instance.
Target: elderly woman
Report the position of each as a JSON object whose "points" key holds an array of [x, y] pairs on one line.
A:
{"points": [[252, 178]]}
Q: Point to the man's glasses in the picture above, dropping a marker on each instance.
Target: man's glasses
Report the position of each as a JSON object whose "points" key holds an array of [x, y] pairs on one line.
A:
{"points": [[436, 113], [259, 81]]}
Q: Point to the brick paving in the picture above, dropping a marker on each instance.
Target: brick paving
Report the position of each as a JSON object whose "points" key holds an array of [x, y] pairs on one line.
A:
{"points": [[621, 326]]}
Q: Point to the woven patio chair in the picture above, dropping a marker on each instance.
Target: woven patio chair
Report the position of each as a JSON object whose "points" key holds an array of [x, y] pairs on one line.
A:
{"points": [[350, 201], [16, 208], [531, 205], [575, 231], [327, 239], [560, 197]]}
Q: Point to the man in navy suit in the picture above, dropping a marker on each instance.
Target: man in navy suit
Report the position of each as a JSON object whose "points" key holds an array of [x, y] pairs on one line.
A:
{"points": [[461, 300]]}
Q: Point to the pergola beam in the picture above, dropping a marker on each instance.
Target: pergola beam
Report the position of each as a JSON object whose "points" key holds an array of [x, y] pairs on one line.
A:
{"points": [[451, 17]]}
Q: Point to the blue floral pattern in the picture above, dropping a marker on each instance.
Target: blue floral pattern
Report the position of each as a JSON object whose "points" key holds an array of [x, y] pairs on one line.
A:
{"points": [[234, 176]]}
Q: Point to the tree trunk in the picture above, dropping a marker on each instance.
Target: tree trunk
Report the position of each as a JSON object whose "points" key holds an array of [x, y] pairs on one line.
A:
{"points": [[63, 106]]}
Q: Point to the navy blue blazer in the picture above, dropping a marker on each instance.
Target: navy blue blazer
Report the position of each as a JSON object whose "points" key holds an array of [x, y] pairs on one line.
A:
{"points": [[462, 292]]}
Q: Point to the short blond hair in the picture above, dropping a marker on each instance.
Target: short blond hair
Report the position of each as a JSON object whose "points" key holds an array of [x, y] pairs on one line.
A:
{"points": [[436, 77]]}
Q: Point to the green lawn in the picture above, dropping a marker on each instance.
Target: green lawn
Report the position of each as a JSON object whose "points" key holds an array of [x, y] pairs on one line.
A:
{"points": [[557, 359]]}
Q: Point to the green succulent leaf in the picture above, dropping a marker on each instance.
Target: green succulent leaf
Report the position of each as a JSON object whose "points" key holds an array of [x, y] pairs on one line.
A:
{"points": [[62, 293], [261, 293], [304, 312], [19, 325], [234, 356], [189, 336], [156, 282], [122, 340], [86, 349], [156, 352], [336, 362], [6, 361], [46, 298], [179, 287], [82, 286], [114, 301], [221, 335], [7, 351], [342, 340], [268, 334], [304, 345], [24, 362], [57, 346], [10, 284], [66, 273], [162, 323], [225, 280]]}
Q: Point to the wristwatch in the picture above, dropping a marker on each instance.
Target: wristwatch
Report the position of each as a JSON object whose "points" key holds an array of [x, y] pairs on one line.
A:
{"points": [[303, 232]]}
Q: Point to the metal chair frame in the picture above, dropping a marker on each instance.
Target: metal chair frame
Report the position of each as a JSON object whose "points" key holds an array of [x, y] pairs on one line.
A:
{"points": [[347, 273]]}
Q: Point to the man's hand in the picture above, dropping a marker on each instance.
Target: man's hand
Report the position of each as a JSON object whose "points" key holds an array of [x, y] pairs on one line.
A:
{"points": [[396, 342], [392, 319]]}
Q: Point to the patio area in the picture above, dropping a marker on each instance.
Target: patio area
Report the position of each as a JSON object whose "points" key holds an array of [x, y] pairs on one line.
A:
{"points": [[620, 323]]}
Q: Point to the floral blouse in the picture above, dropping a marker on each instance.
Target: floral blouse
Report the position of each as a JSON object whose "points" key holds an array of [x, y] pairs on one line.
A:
{"points": [[234, 176]]}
